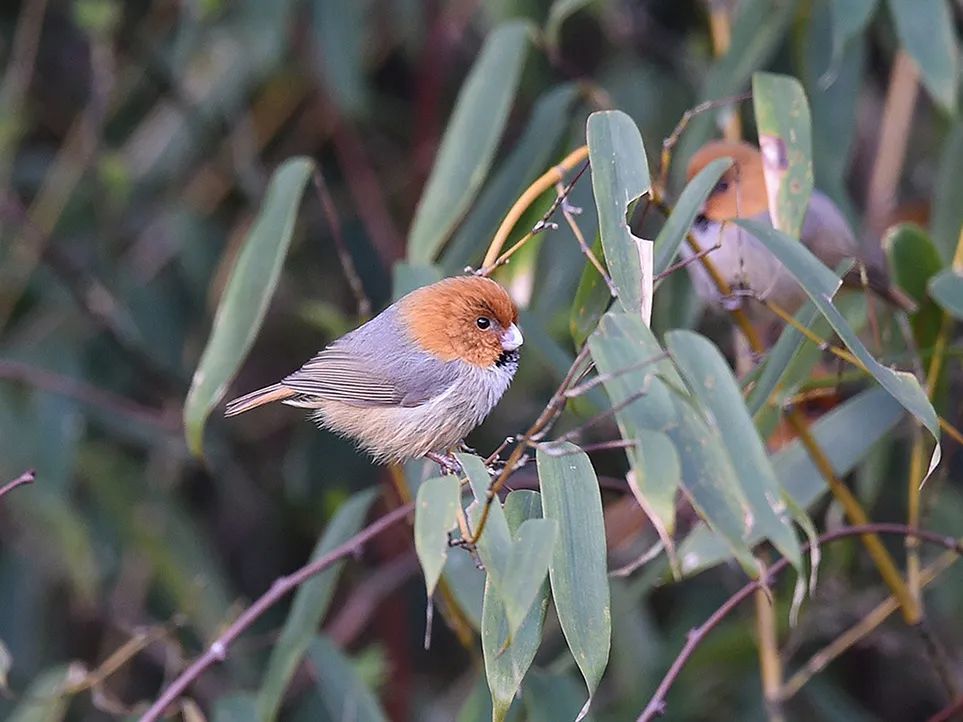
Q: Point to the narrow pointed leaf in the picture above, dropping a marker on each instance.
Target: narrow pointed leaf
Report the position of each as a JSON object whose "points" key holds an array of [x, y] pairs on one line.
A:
{"points": [[578, 574], [532, 547], [620, 347], [560, 11], [820, 284], [677, 225], [784, 127], [495, 543], [530, 157], [470, 140], [846, 434], [343, 692], [505, 667], [246, 297], [947, 217], [436, 513], [592, 297], [913, 260], [925, 31], [850, 18], [551, 697], [309, 607], [620, 174], [711, 381]]}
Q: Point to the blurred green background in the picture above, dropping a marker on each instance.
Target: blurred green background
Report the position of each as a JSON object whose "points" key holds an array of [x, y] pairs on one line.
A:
{"points": [[136, 143]]}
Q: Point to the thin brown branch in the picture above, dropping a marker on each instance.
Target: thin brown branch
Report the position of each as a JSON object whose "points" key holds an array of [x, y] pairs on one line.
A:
{"points": [[26, 477], [347, 263], [657, 703], [282, 586]]}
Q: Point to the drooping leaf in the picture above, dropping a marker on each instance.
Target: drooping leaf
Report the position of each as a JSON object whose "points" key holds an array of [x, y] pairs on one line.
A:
{"points": [[925, 31], [845, 434], [784, 127], [436, 512], [620, 174], [505, 666], [341, 689], [690, 202], [551, 697], [820, 284], [639, 381], [309, 607], [470, 140], [711, 381], [246, 297], [578, 575], [533, 544], [592, 297]]}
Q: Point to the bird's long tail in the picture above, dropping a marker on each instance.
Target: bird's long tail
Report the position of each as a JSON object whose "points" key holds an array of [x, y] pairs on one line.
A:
{"points": [[276, 392]]}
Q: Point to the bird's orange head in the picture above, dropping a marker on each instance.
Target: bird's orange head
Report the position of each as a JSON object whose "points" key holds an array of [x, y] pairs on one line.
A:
{"points": [[468, 318], [741, 191]]}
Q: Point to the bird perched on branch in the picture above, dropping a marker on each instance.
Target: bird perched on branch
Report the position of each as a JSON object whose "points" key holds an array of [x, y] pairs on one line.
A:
{"points": [[415, 379], [744, 262]]}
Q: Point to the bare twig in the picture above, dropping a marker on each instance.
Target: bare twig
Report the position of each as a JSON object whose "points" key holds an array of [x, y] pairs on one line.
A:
{"points": [[282, 586], [657, 704], [569, 215], [26, 477], [347, 263]]}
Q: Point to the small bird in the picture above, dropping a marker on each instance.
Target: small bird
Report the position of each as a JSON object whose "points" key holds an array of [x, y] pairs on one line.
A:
{"points": [[744, 262], [415, 379]]}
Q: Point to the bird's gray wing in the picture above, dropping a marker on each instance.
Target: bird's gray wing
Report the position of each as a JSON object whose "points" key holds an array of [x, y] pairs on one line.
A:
{"points": [[373, 366]]}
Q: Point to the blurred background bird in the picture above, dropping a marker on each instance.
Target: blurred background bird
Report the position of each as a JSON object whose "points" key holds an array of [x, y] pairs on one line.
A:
{"points": [[415, 379], [745, 263]]}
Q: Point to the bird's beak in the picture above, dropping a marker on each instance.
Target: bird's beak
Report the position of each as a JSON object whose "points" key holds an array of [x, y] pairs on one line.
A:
{"points": [[511, 338]]}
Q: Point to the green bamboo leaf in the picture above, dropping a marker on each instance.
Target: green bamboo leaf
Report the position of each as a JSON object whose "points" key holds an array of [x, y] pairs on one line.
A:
{"points": [[578, 575], [495, 543], [925, 31], [309, 606], [505, 666], [946, 288], [785, 139], [436, 513], [46, 699], [529, 158], [246, 297], [341, 689], [620, 347], [532, 547], [820, 284], [620, 174], [340, 30], [711, 381], [947, 218], [913, 260], [686, 209], [470, 140], [850, 18], [240, 707], [846, 434]]}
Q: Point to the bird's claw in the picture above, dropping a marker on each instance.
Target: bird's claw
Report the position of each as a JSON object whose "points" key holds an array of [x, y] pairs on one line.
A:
{"points": [[446, 463]]}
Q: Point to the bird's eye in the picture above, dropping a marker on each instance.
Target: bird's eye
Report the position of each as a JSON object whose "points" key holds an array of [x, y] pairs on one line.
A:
{"points": [[483, 322], [721, 187]]}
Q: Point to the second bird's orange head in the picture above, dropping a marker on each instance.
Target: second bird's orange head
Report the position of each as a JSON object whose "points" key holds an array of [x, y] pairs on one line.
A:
{"points": [[741, 191], [467, 318]]}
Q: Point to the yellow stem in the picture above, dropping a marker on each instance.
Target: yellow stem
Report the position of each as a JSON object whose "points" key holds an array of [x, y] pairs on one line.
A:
{"points": [[541, 184], [770, 663]]}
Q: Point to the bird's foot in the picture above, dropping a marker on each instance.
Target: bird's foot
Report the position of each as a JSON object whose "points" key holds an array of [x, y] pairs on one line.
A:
{"points": [[447, 463], [734, 300]]}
